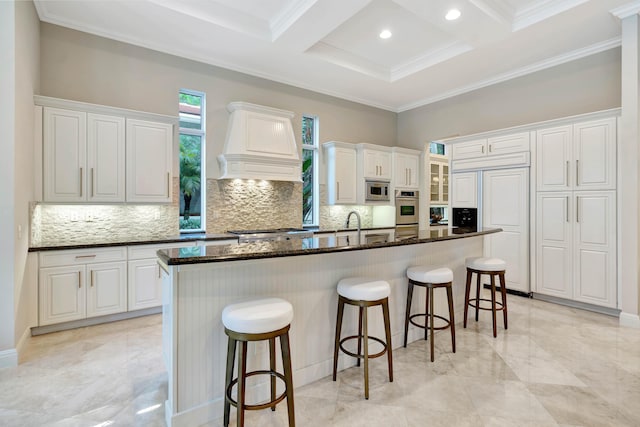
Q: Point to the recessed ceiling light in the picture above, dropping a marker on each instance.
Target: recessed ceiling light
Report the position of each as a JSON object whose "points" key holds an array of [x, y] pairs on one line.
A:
{"points": [[385, 34], [452, 15]]}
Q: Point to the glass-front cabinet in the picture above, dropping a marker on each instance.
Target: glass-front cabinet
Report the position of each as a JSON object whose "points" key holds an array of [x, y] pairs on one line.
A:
{"points": [[439, 180]]}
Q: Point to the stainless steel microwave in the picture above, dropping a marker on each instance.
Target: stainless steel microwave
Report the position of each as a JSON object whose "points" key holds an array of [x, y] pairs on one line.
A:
{"points": [[377, 191]]}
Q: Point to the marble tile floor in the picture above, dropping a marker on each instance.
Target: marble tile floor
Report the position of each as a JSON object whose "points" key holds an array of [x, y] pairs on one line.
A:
{"points": [[555, 366]]}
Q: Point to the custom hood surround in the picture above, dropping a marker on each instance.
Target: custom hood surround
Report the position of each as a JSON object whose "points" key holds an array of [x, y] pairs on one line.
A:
{"points": [[260, 144]]}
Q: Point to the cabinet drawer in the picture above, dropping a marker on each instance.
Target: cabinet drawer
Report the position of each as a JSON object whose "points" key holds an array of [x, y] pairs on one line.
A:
{"points": [[149, 251], [82, 256]]}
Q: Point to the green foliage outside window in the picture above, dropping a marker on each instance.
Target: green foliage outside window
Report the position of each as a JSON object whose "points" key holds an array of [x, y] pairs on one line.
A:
{"points": [[308, 173]]}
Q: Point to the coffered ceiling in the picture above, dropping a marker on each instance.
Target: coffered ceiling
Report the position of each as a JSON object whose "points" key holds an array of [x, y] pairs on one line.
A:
{"points": [[333, 46]]}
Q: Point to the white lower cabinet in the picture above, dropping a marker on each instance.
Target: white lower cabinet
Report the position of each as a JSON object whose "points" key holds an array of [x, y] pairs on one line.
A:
{"points": [[576, 246], [74, 292]]}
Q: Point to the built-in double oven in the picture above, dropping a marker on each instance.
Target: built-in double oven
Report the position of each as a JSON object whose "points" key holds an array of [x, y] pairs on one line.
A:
{"points": [[407, 203]]}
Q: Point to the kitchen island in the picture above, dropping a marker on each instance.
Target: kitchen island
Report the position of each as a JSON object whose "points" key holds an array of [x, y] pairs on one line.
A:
{"points": [[198, 282]]}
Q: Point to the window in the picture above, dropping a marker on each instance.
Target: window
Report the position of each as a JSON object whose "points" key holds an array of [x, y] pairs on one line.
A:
{"points": [[436, 148], [310, 170], [192, 177]]}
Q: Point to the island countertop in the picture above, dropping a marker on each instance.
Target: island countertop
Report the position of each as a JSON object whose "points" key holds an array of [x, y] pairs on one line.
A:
{"points": [[307, 246]]}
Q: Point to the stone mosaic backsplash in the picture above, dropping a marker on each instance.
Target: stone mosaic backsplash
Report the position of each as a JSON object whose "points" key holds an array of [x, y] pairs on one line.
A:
{"points": [[234, 204], [58, 225]]}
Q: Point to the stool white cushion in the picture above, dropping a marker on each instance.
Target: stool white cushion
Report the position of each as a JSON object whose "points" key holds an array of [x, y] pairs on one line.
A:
{"points": [[257, 316], [363, 288], [426, 275], [486, 264]]}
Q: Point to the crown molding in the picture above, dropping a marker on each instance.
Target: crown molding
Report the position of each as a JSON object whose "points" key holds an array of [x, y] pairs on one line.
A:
{"points": [[626, 10], [542, 10]]}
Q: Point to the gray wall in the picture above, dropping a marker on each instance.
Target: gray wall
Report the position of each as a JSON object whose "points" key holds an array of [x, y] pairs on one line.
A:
{"points": [[582, 86], [93, 69]]}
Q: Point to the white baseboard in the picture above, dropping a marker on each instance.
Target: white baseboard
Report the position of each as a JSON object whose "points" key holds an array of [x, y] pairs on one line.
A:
{"points": [[8, 358], [630, 320]]}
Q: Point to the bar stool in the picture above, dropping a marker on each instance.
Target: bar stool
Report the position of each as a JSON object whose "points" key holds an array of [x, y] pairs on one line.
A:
{"points": [[430, 279], [363, 292], [257, 320], [492, 267]]}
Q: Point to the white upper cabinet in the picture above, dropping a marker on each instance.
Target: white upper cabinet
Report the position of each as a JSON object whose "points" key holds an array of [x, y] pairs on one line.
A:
{"points": [[438, 180], [492, 146], [64, 149], [469, 150], [105, 158], [98, 154], [577, 157], [149, 161], [406, 167], [341, 173], [376, 162]]}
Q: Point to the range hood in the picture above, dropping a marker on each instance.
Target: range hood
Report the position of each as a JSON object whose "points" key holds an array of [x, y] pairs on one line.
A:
{"points": [[260, 144]]}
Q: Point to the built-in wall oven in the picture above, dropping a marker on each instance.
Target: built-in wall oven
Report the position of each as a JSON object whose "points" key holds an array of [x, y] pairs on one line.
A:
{"points": [[407, 203]]}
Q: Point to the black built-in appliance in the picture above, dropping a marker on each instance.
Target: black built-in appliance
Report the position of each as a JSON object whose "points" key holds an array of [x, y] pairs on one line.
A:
{"points": [[465, 218]]}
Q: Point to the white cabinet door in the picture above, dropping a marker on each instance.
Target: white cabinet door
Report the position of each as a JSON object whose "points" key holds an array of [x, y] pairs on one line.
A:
{"points": [[553, 155], [594, 151], [64, 155], [506, 144], [406, 168], [377, 164], [554, 220], [61, 294], [105, 158], [469, 150], [145, 284], [505, 204], [149, 161], [595, 247], [341, 175], [464, 190], [106, 288]]}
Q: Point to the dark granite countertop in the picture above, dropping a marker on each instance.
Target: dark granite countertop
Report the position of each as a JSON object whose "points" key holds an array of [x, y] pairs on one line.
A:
{"points": [[150, 240], [296, 247]]}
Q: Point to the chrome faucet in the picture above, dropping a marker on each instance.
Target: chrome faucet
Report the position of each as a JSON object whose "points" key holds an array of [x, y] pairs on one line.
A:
{"points": [[346, 225]]}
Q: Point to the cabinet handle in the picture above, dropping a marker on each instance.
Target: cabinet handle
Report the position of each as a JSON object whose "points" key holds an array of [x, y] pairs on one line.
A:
{"points": [[79, 282], [157, 265], [577, 168], [577, 209], [85, 256], [567, 173], [489, 147], [93, 182], [168, 183], [567, 208], [482, 147], [81, 182], [338, 190], [92, 278]]}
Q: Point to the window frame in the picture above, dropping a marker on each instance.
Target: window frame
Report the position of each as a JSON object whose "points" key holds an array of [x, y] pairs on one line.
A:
{"points": [[203, 175], [315, 190]]}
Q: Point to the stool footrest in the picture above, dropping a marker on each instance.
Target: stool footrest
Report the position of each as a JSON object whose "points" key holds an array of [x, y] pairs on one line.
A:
{"points": [[499, 305], [265, 405], [361, 356], [426, 322]]}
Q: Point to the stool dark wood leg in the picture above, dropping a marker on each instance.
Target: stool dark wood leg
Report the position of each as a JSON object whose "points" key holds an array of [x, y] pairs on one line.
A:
{"points": [[408, 311], [426, 311], [430, 318], [231, 358], [467, 290], [359, 335], [493, 303], [477, 294], [503, 291], [242, 371], [387, 332], [338, 329], [365, 339], [272, 365], [452, 321], [288, 377]]}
